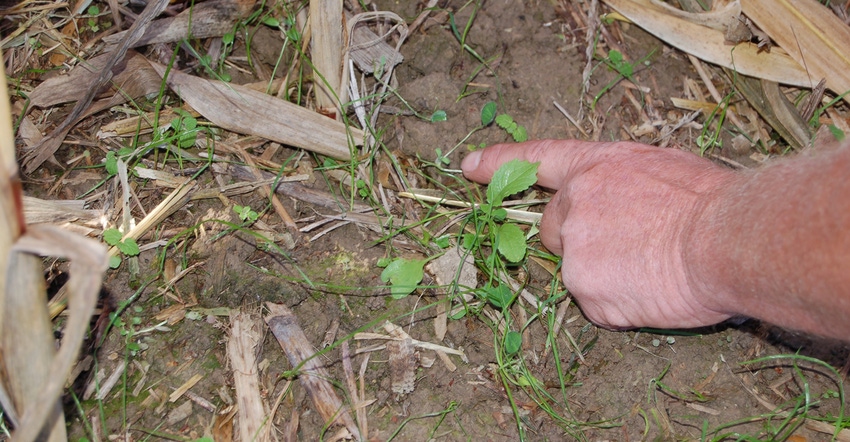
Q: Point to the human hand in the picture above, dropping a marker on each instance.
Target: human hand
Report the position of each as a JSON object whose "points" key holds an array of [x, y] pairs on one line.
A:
{"points": [[621, 218]]}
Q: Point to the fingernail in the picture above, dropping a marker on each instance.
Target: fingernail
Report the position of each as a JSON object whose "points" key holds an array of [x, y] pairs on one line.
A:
{"points": [[471, 161]]}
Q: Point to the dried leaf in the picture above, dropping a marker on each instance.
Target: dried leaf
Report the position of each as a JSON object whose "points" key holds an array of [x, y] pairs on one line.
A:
{"points": [[811, 34], [203, 20], [249, 112], [710, 44], [313, 376], [50, 144]]}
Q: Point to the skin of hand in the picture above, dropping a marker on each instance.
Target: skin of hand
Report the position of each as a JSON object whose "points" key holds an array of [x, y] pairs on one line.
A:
{"points": [[654, 237], [619, 218]]}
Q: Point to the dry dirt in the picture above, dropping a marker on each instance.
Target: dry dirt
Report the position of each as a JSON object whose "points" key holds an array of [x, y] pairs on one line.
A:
{"points": [[537, 54]]}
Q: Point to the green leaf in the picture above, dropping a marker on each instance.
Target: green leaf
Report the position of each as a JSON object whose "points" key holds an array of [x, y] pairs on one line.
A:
{"points": [[461, 312], [512, 177], [500, 296], [468, 241], [112, 236], [111, 163], [511, 241], [504, 120], [114, 262], [513, 342], [443, 241], [520, 134], [403, 275], [488, 113], [227, 38], [129, 247], [271, 21], [500, 214], [439, 115], [615, 56]]}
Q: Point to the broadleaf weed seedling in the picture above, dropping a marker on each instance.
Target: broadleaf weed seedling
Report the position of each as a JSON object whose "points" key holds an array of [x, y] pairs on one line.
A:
{"points": [[617, 63], [488, 116], [128, 246]]}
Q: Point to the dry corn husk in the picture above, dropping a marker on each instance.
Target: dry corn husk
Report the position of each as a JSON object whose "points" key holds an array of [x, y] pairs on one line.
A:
{"points": [[710, 44]]}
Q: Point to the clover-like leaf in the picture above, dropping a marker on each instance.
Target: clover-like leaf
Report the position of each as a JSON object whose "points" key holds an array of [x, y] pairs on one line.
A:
{"points": [[403, 275], [513, 342], [520, 134], [512, 177], [129, 247], [504, 121], [112, 236]]}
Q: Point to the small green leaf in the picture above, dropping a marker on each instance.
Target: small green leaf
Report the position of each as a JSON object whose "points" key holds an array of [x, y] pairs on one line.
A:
{"points": [[511, 242], [403, 275], [520, 134], [439, 115], [513, 342], [468, 241], [443, 241], [500, 214], [111, 163], [271, 21], [512, 177], [488, 113], [114, 262], [293, 34], [504, 120], [227, 38], [500, 296], [461, 312], [129, 247], [190, 123], [615, 56], [112, 236], [383, 262]]}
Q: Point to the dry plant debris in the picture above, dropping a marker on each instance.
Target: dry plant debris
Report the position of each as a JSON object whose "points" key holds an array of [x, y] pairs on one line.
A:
{"points": [[119, 71]]}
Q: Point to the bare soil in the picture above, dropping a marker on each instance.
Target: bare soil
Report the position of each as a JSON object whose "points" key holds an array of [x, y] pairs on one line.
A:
{"points": [[634, 385]]}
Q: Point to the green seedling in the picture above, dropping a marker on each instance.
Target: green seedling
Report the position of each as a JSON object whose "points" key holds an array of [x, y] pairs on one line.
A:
{"points": [[510, 126], [512, 177], [488, 117], [184, 129], [127, 247], [617, 63], [91, 23], [402, 274], [246, 213]]}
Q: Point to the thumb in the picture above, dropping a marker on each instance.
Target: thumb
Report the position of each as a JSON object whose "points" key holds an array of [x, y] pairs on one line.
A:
{"points": [[558, 159]]}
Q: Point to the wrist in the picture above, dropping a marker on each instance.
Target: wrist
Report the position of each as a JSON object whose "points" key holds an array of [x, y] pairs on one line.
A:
{"points": [[703, 248]]}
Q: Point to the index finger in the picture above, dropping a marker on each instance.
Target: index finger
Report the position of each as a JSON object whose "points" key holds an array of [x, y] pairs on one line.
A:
{"points": [[558, 159]]}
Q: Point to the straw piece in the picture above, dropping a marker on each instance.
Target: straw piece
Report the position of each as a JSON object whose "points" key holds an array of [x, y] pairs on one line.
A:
{"points": [[242, 110], [283, 324], [245, 336], [327, 25]]}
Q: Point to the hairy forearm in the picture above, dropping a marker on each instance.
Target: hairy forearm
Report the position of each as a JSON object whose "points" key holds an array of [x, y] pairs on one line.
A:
{"points": [[774, 244]]}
